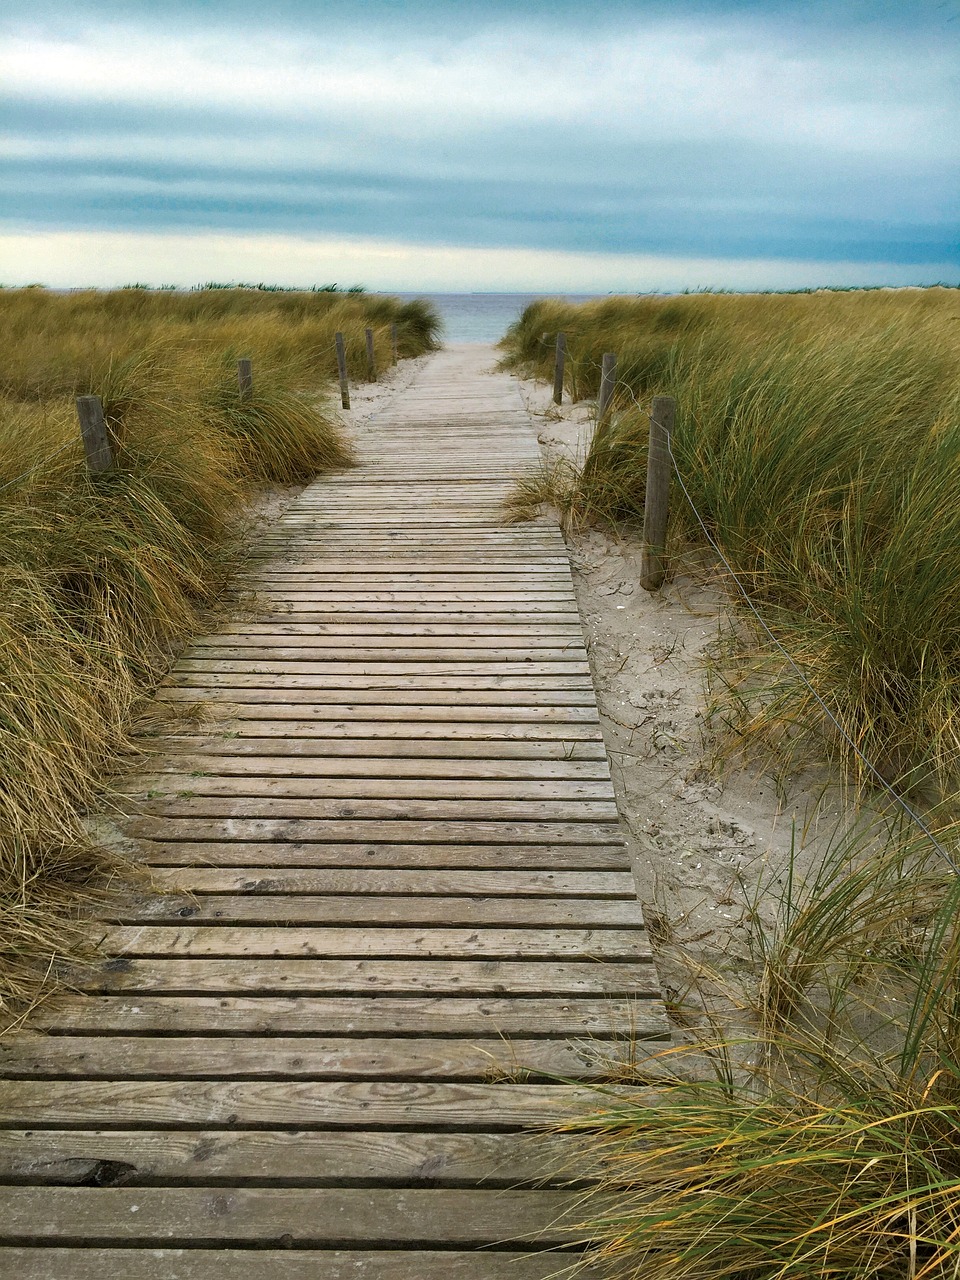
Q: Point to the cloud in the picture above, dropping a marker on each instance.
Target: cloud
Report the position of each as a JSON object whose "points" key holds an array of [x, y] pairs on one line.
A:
{"points": [[791, 131], [109, 259], [669, 80]]}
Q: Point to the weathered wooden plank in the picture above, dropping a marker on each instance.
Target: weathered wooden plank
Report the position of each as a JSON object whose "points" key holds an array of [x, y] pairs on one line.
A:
{"points": [[300, 644], [310, 1057], [439, 752], [474, 882], [373, 766], [65, 1157], [375, 576], [335, 536], [316, 1217], [460, 712], [363, 910], [263, 807], [403, 551], [287, 661], [250, 784], [254, 857], [257, 633], [506, 942], [521, 666], [525, 600], [276, 719], [426, 682], [322, 609], [399, 615], [404, 585], [318, 637], [315, 1104], [485, 564], [253, 976], [339, 831], [318, 687], [286, 1264], [605, 1018]]}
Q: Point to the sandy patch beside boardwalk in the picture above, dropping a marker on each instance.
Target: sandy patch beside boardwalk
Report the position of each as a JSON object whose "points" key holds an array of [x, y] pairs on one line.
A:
{"points": [[704, 841]]}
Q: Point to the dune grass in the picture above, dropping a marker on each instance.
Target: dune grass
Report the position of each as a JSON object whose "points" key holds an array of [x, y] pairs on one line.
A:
{"points": [[819, 436], [826, 1142], [102, 579]]}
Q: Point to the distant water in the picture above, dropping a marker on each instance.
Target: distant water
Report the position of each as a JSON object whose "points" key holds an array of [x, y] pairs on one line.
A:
{"points": [[483, 317]]}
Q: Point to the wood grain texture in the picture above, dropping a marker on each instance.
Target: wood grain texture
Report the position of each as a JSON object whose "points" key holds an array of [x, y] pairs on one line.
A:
{"points": [[285, 1264], [380, 1217], [604, 1017], [406, 882], [364, 910], [316, 1057], [253, 976], [504, 941], [245, 854]]}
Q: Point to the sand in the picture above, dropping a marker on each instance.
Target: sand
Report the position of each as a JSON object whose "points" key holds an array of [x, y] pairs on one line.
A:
{"points": [[710, 844]]}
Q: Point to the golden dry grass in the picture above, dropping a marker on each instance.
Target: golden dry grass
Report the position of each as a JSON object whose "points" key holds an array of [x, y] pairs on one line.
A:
{"points": [[103, 579], [819, 437]]}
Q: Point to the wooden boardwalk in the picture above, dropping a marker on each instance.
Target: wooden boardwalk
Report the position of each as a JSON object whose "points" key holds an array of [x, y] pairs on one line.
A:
{"points": [[397, 915]]}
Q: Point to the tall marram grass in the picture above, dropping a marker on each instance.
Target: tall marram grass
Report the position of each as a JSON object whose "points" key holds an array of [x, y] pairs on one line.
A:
{"points": [[102, 579], [819, 436]]}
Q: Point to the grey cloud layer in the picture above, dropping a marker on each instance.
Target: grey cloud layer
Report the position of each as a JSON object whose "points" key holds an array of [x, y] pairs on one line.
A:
{"points": [[735, 133]]}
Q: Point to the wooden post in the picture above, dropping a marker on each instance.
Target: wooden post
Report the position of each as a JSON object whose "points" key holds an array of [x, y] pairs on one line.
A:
{"points": [[371, 357], [342, 371], [245, 378], [395, 342], [558, 369], [653, 568], [96, 439], [608, 380]]}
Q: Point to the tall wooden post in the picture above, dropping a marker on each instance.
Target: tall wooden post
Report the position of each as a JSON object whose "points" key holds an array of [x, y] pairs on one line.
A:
{"points": [[245, 378], [656, 507], [395, 342], [371, 357], [608, 380], [342, 371], [558, 369], [96, 438]]}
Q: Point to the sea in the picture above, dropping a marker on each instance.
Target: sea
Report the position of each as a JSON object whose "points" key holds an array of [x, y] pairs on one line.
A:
{"points": [[484, 317]]}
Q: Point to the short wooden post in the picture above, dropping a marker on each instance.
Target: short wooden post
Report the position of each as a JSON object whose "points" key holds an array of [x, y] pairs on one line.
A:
{"points": [[245, 378], [608, 380], [558, 369], [656, 507], [96, 438], [395, 342], [371, 357], [342, 371]]}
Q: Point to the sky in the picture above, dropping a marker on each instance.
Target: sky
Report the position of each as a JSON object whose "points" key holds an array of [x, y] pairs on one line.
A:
{"points": [[598, 146]]}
